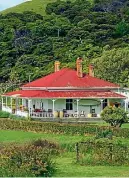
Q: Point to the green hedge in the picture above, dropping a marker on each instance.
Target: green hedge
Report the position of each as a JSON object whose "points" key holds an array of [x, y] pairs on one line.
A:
{"points": [[59, 128], [47, 127]]}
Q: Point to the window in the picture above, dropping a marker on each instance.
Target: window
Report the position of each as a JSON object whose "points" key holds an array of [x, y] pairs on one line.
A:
{"points": [[105, 103], [93, 111], [34, 106], [117, 105], [69, 104]]}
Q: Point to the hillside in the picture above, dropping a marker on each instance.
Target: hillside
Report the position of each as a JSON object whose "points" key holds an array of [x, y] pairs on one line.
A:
{"points": [[37, 6], [98, 32]]}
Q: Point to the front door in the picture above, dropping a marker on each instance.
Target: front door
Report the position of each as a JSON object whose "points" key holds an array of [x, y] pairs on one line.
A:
{"points": [[69, 104], [105, 103]]}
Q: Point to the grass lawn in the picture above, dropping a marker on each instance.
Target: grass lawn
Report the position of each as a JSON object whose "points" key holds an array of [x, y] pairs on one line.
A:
{"points": [[66, 167], [66, 163], [125, 125], [106, 124], [20, 136]]}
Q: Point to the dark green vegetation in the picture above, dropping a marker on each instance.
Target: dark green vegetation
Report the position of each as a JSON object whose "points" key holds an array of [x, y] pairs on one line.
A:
{"points": [[66, 162], [31, 159], [97, 31], [4, 114], [103, 151], [114, 116]]}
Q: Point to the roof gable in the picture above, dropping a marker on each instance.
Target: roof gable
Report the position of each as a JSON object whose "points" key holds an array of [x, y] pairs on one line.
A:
{"points": [[68, 78]]}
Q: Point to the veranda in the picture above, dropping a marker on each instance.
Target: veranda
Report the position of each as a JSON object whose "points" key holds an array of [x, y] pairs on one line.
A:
{"points": [[57, 107]]}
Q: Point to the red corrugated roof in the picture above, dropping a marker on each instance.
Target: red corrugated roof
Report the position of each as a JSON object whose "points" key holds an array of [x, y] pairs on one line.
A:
{"points": [[68, 78], [64, 94]]}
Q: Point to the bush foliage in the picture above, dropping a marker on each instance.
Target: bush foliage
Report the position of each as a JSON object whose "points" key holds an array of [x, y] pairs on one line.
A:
{"points": [[103, 152], [115, 116], [4, 114], [30, 160]]}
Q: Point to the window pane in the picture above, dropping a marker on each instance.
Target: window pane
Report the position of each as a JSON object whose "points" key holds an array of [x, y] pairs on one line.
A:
{"points": [[71, 106], [105, 103], [69, 100], [67, 106]]}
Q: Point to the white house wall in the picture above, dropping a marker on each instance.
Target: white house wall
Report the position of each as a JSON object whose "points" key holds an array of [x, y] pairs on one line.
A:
{"points": [[84, 105], [59, 104], [38, 103], [24, 102]]}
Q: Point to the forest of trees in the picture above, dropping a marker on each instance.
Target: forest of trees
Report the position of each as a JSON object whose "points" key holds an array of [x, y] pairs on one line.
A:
{"points": [[97, 31]]}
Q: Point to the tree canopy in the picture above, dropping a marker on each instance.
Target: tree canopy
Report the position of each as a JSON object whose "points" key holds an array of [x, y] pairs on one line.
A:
{"points": [[114, 116], [113, 65]]}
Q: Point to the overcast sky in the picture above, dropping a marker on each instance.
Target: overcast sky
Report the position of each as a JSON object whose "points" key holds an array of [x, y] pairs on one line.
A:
{"points": [[9, 3]]}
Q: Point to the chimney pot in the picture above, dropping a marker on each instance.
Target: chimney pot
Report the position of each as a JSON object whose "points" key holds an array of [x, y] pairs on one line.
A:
{"points": [[91, 70], [57, 66], [79, 67]]}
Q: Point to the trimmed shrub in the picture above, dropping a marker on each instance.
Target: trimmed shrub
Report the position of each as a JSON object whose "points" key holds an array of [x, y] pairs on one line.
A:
{"points": [[59, 128], [46, 127]]}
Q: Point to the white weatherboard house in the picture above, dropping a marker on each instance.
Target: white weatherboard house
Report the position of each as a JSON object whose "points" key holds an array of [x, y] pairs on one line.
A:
{"points": [[65, 93]]}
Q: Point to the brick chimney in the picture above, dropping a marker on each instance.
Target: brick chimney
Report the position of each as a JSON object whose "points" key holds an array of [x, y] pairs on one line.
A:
{"points": [[91, 70], [57, 66], [79, 67]]}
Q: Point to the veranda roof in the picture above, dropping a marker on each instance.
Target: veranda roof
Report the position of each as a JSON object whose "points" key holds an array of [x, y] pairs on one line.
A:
{"points": [[63, 94]]}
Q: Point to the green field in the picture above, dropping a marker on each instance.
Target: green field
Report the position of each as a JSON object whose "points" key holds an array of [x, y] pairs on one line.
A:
{"points": [[20, 136], [65, 164]]}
